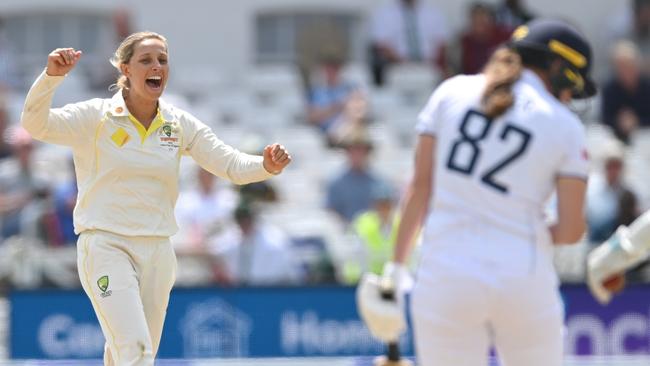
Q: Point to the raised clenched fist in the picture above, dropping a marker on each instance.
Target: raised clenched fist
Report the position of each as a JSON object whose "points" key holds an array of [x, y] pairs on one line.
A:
{"points": [[61, 61]]}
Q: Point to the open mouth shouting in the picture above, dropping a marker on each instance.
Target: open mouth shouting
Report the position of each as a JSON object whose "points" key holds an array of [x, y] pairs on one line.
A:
{"points": [[154, 83]]}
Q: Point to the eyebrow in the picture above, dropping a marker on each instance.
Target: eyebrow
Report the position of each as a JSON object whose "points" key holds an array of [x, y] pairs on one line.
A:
{"points": [[164, 53]]}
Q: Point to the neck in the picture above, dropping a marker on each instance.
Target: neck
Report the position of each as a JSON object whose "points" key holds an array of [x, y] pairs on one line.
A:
{"points": [[142, 109]]}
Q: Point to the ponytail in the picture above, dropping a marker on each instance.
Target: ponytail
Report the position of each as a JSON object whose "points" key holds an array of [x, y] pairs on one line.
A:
{"points": [[501, 72]]}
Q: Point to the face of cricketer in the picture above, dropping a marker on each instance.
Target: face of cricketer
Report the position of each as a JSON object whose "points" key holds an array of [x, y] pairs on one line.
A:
{"points": [[148, 69]]}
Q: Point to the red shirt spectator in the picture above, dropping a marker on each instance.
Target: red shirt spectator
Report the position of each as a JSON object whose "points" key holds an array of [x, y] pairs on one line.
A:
{"points": [[481, 39]]}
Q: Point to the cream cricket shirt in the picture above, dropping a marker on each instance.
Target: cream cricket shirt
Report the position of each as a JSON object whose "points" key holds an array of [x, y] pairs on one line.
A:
{"points": [[128, 176]]}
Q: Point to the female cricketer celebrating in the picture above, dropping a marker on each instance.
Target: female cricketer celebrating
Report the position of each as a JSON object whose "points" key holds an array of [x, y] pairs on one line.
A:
{"points": [[492, 149], [127, 151]]}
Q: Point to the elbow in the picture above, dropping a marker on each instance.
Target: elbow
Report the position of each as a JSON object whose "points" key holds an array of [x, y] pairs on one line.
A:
{"points": [[25, 118], [234, 178], [33, 130], [28, 121], [238, 182], [239, 179]]}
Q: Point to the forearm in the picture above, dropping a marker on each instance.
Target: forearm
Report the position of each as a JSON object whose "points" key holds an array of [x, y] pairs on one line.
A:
{"points": [[569, 229], [417, 197], [37, 104], [223, 160], [570, 189], [413, 213], [569, 233], [244, 169]]}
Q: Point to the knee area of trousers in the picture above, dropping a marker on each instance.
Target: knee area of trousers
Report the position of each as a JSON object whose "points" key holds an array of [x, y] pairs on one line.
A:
{"points": [[136, 354]]}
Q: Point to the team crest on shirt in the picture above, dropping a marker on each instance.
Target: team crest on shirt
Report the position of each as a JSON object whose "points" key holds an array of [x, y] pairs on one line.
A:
{"points": [[168, 136]]}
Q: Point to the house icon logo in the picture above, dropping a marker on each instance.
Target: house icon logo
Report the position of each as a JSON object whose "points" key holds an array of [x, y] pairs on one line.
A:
{"points": [[214, 328]]}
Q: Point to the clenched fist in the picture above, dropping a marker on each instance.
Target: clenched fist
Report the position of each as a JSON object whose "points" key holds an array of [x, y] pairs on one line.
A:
{"points": [[276, 158], [61, 61]]}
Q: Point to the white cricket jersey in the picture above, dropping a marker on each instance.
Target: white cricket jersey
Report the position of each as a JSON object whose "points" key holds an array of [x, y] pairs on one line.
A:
{"points": [[128, 176], [498, 174]]}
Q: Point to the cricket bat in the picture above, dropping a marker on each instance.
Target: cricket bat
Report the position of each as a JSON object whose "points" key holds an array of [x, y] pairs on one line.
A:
{"points": [[393, 356]]}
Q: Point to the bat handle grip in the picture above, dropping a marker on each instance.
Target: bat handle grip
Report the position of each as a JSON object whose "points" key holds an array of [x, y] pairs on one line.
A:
{"points": [[393, 352]]}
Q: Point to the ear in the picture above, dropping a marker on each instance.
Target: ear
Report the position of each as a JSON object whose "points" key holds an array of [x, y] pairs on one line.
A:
{"points": [[125, 69]]}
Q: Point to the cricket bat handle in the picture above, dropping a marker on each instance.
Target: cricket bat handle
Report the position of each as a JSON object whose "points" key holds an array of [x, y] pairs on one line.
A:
{"points": [[393, 352], [392, 357]]}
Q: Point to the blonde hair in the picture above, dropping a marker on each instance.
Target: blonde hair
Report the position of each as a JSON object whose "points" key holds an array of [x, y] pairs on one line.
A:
{"points": [[501, 72], [125, 51]]}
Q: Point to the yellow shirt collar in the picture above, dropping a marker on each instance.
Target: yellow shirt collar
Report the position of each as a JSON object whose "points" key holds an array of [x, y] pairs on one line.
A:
{"points": [[155, 124]]}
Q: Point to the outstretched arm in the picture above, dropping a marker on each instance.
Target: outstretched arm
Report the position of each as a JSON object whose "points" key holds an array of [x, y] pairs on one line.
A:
{"points": [[229, 163]]}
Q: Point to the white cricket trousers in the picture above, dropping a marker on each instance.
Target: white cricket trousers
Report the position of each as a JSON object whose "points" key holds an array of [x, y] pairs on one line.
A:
{"points": [[458, 314], [128, 281]]}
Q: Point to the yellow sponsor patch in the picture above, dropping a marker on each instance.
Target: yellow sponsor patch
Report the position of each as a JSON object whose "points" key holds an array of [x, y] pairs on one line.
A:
{"points": [[120, 137]]}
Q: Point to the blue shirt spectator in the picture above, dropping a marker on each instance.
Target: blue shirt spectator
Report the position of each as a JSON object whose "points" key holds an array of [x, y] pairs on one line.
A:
{"points": [[23, 197], [336, 107], [350, 193], [65, 198], [331, 98]]}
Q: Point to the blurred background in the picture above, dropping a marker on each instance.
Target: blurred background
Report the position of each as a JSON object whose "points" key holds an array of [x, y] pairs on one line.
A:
{"points": [[268, 269]]}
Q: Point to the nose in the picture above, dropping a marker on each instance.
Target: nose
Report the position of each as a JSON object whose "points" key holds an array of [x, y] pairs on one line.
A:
{"points": [[156, 65]]}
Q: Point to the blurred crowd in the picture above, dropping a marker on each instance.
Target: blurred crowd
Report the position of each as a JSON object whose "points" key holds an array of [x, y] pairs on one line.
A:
{"points": [[225, 236]]}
